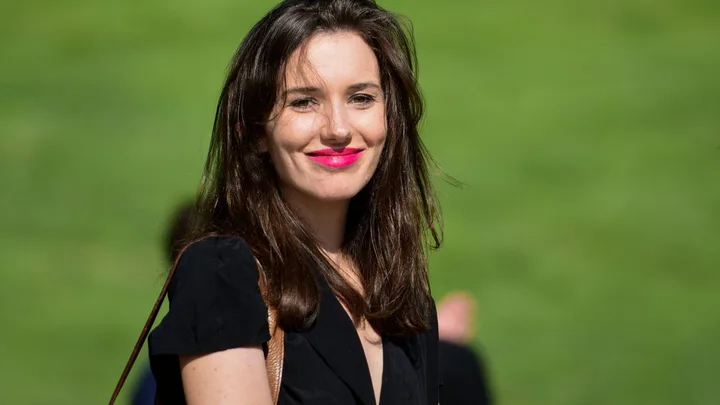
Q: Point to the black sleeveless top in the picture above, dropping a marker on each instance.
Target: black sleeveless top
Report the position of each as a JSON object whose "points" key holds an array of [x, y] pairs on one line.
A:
{"points": [[215, 304]]}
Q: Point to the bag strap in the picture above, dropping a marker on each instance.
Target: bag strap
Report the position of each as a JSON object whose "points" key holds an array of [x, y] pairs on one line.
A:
{"points": [[276, 346]]}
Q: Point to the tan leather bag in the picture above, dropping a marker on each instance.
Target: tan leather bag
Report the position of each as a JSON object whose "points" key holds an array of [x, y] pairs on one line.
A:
{"points": [[273, 361]]}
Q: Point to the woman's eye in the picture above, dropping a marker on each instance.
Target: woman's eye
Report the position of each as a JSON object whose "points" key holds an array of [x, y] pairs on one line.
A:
{"points": [[302, 103], [362, 99]]}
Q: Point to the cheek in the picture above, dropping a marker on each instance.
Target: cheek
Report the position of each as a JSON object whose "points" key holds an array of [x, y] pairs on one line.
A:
{"points": [[374, 127], [291, 133]]}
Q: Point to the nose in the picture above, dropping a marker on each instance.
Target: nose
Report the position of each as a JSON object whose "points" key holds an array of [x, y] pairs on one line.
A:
{"points": [[337, 128]]}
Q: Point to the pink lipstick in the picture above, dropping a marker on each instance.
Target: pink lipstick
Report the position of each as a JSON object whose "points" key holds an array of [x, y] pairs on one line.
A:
{"points": [[335, 157]]}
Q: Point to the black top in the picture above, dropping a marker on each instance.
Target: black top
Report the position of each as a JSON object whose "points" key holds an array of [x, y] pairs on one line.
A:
{"points": [[215, 304]]}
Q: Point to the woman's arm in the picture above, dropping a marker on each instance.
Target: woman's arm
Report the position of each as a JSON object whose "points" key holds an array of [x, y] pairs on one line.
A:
{"points": [[229, 377]]}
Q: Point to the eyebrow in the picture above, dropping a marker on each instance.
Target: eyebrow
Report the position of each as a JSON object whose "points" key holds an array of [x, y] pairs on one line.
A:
{"points": [[306, 89], [363, 86], [312, 89]]}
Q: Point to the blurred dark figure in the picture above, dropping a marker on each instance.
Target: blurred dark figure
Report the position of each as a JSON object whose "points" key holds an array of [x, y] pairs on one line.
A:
{"points": [[462, 372]]}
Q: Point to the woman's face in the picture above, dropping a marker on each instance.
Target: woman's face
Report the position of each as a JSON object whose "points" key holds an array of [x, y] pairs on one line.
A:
{"points": [[328, 130]]}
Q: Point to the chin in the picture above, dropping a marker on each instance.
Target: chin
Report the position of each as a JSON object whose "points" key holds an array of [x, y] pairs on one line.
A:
{"points": [[324, 189], [334, 196], [330, 193]]}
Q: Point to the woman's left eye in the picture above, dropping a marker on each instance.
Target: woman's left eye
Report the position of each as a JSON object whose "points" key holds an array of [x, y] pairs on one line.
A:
{"points": [[362, 99]]}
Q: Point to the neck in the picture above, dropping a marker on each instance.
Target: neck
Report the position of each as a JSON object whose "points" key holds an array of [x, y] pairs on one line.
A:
{"points": [[325, 218], [327, 222]]}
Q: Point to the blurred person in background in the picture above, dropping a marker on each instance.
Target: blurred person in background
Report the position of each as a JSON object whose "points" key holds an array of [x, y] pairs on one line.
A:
{"points": [[317, 190], [463, 374]]}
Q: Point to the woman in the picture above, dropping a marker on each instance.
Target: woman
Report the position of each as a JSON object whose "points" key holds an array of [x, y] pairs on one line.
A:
{"points": [[317, 183]]}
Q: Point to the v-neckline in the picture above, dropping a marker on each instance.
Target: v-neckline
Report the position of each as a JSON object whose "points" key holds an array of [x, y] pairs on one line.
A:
{"points": [[383, 372], [338, 343], [383, 353]]}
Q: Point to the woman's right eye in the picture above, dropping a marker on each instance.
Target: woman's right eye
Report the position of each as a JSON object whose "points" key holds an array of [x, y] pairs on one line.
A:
{"points": [[302, 103]]}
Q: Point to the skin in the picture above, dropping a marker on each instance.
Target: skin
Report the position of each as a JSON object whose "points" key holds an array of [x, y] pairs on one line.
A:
{"points": [[456, 318], [331, 99]]}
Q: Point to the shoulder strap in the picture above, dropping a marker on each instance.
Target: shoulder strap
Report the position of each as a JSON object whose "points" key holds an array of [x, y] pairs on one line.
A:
{"points": [[276, 346]]}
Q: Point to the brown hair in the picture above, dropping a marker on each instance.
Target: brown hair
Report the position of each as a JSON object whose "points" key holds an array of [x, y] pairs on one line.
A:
{"points": [[389, 221]]}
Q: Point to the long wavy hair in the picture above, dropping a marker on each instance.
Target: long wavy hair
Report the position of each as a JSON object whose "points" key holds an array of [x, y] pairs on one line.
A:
{"points": [[393, 220]]}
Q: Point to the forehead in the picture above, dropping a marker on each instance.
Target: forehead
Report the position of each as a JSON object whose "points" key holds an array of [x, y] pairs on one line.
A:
{"points": [[332, 59]]}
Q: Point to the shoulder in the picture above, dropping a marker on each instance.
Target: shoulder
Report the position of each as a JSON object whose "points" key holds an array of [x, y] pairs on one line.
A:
{"points": [[227, 256], [215, 271], [215, 300], [430, 336], [215, 249]]}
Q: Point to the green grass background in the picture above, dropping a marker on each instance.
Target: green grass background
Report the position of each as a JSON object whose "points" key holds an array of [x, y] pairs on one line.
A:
{"points": [[586, 133]]}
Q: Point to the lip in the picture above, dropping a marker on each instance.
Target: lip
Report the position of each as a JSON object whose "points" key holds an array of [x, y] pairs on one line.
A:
{"points": [[335, 157]]}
